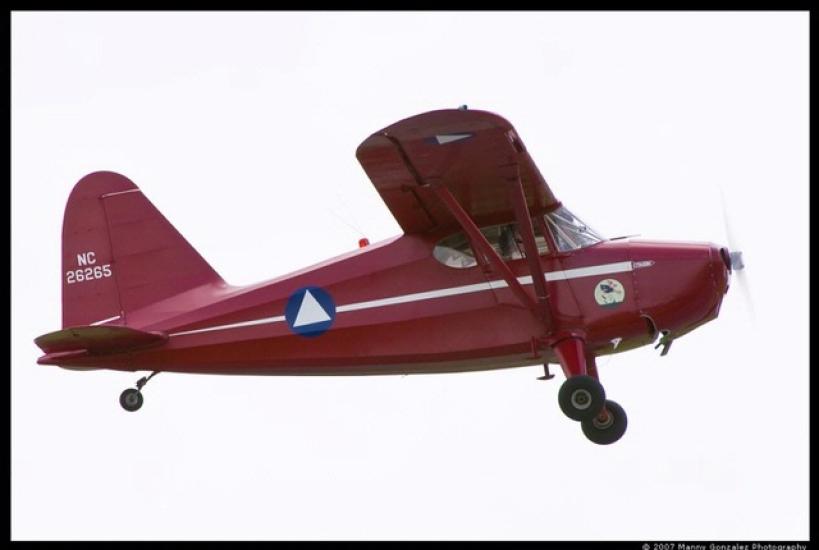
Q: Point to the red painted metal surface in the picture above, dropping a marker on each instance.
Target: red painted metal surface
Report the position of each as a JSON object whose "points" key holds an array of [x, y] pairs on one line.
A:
{"points": [[395, 308], [571, 353], [400, 158]]}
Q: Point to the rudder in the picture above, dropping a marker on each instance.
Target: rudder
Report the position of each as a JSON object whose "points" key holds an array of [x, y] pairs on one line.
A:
{"points": [[120, 253]]}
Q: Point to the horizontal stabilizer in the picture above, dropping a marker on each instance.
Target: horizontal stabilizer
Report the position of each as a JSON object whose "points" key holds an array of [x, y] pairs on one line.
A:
{"points": [[96, 340]]}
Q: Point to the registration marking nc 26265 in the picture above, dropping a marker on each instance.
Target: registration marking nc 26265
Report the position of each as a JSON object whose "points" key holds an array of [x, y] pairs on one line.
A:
{"points": [[87, 270]]}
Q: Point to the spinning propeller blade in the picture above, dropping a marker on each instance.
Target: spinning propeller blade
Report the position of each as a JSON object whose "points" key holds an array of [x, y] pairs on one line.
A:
{"points": [[737, 263]]}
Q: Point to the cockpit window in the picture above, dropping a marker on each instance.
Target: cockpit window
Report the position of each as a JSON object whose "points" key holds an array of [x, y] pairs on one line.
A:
{"points": [[455, 250], [505, 240], [569, 231]]}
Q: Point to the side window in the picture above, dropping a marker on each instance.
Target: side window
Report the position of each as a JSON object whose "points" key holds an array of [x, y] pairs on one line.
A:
{"points": [[455, 250], [505, 240]]}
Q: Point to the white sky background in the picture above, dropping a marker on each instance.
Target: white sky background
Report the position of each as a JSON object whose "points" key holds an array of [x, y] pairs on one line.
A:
{"points": [[242, 127]]}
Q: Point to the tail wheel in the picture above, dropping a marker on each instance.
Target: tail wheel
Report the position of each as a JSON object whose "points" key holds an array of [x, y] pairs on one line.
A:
{"points": [[608, 426], [581, 397], [131, 399]]}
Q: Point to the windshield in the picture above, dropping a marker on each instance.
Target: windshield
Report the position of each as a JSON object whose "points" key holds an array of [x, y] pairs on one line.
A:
{"points": [[569, 231]]}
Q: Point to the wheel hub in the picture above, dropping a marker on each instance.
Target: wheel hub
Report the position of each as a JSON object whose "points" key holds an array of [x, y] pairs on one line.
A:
{"points": [[603, 421], [581, 399]]}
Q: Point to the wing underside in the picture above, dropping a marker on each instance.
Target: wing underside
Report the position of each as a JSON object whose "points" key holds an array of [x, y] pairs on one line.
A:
{"points": [[474, 154]]}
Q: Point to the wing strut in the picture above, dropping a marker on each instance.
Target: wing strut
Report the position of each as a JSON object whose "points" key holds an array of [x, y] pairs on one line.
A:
{"points": [[527, 233], [479, 240], [540, 309]]}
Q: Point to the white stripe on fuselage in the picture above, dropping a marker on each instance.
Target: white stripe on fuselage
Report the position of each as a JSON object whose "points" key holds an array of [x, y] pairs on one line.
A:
{"points": [[114, 318], [604, 269]]}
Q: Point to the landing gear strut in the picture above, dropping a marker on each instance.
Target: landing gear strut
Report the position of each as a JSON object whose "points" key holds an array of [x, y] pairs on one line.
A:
{"points": [[131, 399], [582, 397]]}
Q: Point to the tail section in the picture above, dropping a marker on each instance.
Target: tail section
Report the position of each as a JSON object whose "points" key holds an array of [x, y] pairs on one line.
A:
{"points": [[120, 253]]}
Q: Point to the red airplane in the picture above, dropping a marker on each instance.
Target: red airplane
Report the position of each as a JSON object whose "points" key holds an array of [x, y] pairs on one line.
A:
{"points": [[492, 272]]}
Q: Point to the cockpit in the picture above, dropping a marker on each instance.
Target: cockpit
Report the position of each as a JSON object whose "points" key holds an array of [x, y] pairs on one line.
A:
{"points": [[567, 231]]}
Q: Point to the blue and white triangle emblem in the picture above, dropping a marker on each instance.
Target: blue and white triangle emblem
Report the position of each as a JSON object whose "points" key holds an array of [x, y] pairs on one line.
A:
{"points": [[310, 311]]}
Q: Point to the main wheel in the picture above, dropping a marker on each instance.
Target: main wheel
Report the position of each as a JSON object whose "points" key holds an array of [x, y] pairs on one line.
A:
{"points": [[608, 426], [131, 399], [581, 397]]}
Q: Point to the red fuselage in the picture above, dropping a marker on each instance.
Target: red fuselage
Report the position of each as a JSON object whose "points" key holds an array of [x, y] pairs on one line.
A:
{"points": [[399, 310]]}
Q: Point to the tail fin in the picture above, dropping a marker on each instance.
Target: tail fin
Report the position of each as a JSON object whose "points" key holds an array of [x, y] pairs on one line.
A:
{"points": [[120, 253]]}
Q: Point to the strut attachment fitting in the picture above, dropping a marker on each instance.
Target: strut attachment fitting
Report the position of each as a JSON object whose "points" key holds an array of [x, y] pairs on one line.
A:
{"points": [[547, 374], [144, 380], [665, 341]]}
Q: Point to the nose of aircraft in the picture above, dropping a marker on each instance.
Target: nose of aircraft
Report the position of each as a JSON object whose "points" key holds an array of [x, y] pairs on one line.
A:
{"points": [[733, 260], [734, 266], [685, 284], [723, 261]]}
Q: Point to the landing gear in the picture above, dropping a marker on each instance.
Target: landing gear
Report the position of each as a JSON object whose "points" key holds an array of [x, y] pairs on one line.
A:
{"points": [[581, 397], [608, 426], [131, 399]]}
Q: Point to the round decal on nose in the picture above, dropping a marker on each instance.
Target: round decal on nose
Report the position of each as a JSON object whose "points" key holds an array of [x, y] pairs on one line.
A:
{"points": [[609, 293], [310, 311]]}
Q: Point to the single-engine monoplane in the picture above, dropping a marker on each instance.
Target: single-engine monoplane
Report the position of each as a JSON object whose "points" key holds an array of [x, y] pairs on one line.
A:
{"points": [[492, 271]]}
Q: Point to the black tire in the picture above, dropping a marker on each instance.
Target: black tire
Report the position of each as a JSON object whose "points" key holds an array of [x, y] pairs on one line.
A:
{"points": [[581, 397], [608, 430], [131, 399]]}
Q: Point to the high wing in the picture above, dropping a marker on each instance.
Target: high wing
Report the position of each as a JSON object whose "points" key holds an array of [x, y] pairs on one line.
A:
{"points": [[472, 153]]}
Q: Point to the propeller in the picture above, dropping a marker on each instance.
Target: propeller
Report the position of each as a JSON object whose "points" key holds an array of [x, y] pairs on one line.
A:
{"points": [[737, 262]]}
